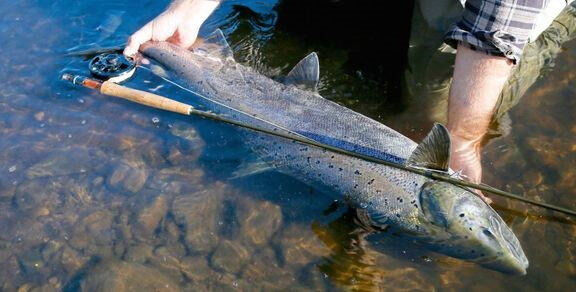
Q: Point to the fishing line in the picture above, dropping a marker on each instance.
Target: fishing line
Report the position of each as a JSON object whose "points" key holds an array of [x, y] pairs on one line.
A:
{"points": [[228, 107], [160, 102], [307, 141]]}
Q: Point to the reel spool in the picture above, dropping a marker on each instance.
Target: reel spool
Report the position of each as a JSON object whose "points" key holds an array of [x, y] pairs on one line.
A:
{"points": [[112, 67]]}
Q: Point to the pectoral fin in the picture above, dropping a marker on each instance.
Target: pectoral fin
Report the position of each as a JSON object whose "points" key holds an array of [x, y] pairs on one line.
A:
{"points": [[250, 168], [215, 45], [434, 151], [306, 73]]}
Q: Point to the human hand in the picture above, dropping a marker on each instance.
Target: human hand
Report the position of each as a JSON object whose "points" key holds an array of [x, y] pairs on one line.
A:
{"points": [[179, 24], [465, 158]]}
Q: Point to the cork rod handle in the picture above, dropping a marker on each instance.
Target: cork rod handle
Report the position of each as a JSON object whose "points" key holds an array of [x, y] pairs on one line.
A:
{"points": [[145, 98]]}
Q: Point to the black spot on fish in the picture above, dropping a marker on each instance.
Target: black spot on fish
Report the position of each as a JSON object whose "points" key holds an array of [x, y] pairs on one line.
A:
{"points": [[415, 206], [356, 186], [371, 181], [378, 191], [413, 201], [308, 159], [330, 166], [279, 147], [462, 215], [398, 215], [357, 172], [401, 200], [340, 169], [332, 156], [317, 161]]}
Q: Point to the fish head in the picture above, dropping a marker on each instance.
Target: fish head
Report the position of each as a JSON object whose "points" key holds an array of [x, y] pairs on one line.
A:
{"points": [[460, 224]]}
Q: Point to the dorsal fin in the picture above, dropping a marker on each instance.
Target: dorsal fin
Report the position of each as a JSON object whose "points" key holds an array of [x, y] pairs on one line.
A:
{"points": [[214, 45], [306, 73], [434, 151]]}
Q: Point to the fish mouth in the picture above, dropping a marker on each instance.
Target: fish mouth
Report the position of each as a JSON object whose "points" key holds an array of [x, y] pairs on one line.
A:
{"points": [[514, 260]]}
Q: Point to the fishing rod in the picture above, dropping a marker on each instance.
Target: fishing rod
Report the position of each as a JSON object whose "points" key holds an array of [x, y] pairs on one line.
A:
{"points": [[111, 88]]}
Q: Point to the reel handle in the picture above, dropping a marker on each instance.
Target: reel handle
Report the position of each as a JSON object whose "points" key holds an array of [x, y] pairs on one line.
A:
{"points": [[145, 98]]}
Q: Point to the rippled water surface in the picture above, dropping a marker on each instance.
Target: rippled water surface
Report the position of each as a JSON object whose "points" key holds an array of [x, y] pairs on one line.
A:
{"points": [[97, 193]]}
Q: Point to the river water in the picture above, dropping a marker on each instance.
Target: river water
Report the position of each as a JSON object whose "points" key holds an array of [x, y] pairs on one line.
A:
{"points": [[102, 194]]}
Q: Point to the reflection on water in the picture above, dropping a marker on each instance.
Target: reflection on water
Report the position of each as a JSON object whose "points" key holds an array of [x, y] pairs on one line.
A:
{"points": [[97, 193]]}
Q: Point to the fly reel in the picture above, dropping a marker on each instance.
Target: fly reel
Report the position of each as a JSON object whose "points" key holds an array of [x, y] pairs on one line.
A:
{"points": [[112, 67]]}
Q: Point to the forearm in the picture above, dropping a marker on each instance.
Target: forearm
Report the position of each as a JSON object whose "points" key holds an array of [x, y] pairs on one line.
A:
{"points": [[178, 24], [201, 9], [476, 86]]}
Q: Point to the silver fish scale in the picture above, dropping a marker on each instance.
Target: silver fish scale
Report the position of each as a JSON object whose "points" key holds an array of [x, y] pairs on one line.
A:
{"points": [[367, 185]]}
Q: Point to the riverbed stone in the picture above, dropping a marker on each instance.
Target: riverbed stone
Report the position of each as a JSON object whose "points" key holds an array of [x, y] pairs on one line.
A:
{"points": [[196, 268], [39, 193], [130, 178], [167, 260], [149, 216], [119, 276], [264, 268], [258, 220], [199, 213], [60, 163], [229, 256], [299, 245], [139, 253], [177, 180]]}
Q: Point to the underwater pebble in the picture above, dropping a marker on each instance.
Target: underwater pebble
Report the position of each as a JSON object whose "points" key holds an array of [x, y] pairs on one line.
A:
{"points": [[201, 225], [229, 256], [148, 217], [120, 276], [300, 246], [258, 220]]}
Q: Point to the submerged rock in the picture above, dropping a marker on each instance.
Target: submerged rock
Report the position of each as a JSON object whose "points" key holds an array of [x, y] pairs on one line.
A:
{"points": [[71, 161], [299, 245], [72, 260], [149, 216], [258, 220], [200, 213], [177, 180], [229, 256], [264, 269], [128, 177], [139, 253], [196, 268], [118, 276]]}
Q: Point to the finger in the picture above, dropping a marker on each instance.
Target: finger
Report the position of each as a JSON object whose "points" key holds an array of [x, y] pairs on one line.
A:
{"points": [[164, 26], [187, 35], [138, 38]]}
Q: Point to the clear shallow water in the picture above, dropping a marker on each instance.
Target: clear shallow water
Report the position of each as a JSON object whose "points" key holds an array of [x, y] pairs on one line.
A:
{"points": [[96, 192]]}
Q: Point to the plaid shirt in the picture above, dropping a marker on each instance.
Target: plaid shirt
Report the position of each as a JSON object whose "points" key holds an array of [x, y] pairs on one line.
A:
{"points": [[497, 27]]}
